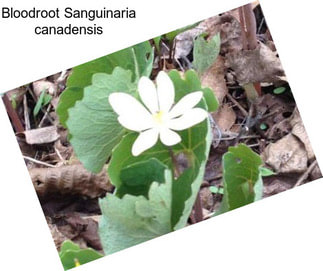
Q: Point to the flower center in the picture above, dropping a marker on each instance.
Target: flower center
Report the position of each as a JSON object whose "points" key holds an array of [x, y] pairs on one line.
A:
{"points": [[159, 117]]}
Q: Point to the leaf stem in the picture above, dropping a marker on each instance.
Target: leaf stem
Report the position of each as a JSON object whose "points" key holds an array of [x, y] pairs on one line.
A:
{"points": [[175, 164]]}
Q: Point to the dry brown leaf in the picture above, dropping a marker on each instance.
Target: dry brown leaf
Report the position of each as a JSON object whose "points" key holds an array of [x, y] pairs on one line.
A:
{"points": [[206, 198], [40, 86], [287, 155], [214, 78], [299, 131], [41, 135], [72, 179], [259, 65], [184, 41], [230, 31], [225, 117]]}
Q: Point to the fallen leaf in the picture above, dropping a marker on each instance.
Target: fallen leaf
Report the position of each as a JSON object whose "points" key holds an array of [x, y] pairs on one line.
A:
{"points": [[230, 31], [225, 117], [206, 198], [41, 135], [299, 131], [287, 155], [184, 41], [72, 179], [213, 77], [258, 65], [41, 85]]}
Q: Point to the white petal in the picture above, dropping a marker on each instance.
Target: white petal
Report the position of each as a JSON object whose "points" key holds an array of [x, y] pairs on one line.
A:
{"points": [[136, 124], [189, 119], [169, 138], [165, 91], [186, 103], [148, 94], [144, 141], [125, 104]]}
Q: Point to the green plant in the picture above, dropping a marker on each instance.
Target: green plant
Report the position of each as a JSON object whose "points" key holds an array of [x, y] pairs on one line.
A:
{"points": [[72, 255], [157, 138], [43, 100]]}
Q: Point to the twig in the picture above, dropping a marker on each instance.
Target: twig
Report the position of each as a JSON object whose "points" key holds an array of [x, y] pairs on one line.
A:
{"points": [[253, 145], [59, 155], [243, 111], [46, 116], [198, 211], [304, 176], [209, 215], [26, 114], [37, 161], [13, 115], [234, 137]]}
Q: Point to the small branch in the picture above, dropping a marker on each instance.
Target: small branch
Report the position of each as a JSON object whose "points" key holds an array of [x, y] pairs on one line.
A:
{"points": [[243, 111], [46, 116], [198, 210], [26, 114], [37, 161], [16, 123], [304, 176]]}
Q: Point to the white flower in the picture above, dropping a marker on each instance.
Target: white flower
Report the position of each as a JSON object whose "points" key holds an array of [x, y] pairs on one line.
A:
{"points": [[159, 118]]}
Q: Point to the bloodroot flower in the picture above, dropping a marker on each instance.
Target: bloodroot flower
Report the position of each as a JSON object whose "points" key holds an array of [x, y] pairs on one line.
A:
{"points": [[157, 116]]}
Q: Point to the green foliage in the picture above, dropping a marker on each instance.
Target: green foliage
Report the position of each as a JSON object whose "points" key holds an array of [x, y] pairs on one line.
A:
{"points": [[134, 219], [279, 90], [241, 178], [124, 167], [43, 100], [71, 255], [265, 172], [157, 41], [191, 82], [14, 101], [216, 190], [205, 53], [263, 126], [137, 178], [138, 59], [93, 124]]}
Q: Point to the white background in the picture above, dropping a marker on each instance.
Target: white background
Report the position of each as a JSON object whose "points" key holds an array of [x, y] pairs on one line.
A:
{"points": [[283, 232]]}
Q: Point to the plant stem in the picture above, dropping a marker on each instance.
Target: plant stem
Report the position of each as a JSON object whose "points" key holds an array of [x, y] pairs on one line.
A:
{"points": [[176, 172], [16, 123]]}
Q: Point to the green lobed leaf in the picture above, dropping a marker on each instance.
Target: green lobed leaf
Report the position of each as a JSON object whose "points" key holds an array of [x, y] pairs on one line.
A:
{"points": [[93, 124], [137, 178], [157, 41], [205, 52], [190, 82], [71, 252], [194, 147], [138, 59], [134, 219], [241, 178]]}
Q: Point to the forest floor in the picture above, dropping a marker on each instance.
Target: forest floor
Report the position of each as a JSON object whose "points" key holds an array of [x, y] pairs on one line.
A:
{"points": [[271, 125]]}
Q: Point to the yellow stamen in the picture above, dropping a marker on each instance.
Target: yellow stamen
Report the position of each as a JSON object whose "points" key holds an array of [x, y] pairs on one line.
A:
{"points": [[159, 117]]}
